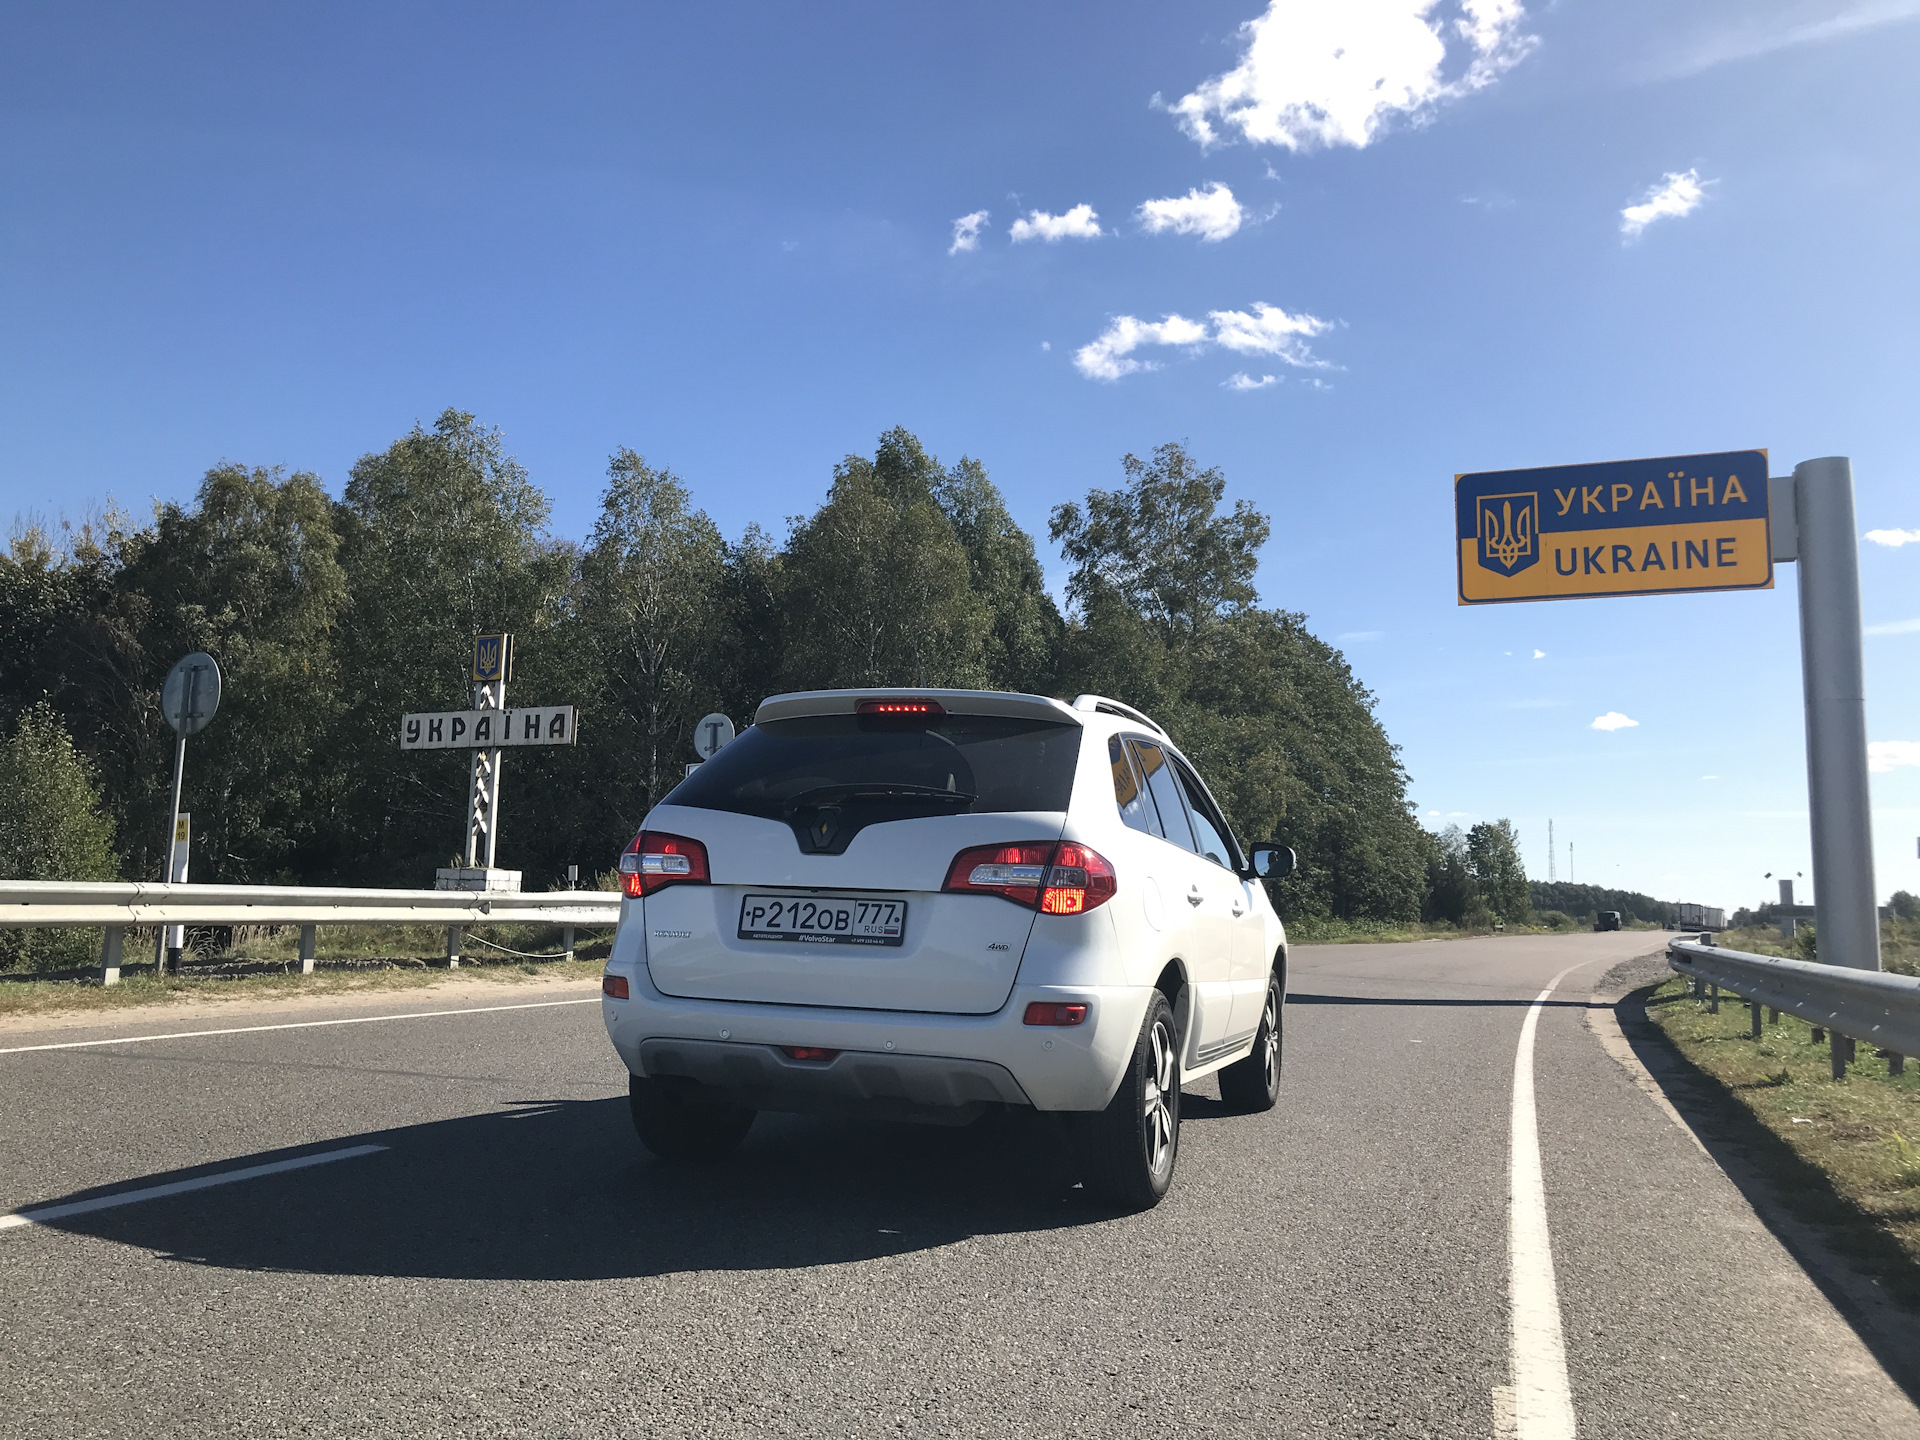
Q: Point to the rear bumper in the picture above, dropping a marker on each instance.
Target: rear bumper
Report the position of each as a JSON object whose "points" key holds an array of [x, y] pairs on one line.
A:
{"points": [[914, 1065], [934, 1088]]}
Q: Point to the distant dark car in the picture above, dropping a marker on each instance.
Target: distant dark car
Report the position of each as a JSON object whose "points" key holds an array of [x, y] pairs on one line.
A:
{"points": [[1607, 920]]}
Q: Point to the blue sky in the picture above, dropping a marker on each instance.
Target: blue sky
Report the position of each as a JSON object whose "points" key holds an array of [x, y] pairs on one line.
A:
{"points": [[725, 236]]}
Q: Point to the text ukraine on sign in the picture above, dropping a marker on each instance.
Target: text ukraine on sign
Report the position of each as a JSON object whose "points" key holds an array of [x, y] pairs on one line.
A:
{"points": [[1632, 527]]}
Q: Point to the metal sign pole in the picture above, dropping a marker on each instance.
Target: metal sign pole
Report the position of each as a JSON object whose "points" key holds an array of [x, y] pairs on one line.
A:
{"points": [[173, 829], [1834, 674], [188, 699]]}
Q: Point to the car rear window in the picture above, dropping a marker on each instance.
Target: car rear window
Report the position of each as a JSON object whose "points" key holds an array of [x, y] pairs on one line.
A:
{"points": [[1003, 762]]}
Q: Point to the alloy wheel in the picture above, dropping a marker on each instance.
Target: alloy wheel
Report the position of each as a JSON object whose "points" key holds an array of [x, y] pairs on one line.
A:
{"points": [[1270, 1050], [1158, 1106]]}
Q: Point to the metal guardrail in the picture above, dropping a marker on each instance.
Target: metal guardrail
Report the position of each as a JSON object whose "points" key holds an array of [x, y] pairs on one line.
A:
{"points": [[1868, 1006], [116, 905]]}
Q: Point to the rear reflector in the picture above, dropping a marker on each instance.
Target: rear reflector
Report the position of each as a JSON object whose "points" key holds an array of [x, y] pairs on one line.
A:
{"points": [[616, 986], [808, 1052], [1042, 1012], [656, 860], [1056, 879]]}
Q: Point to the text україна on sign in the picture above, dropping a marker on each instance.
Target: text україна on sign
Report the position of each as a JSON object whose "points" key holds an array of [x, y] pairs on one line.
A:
{"points": [[1628, 527]]}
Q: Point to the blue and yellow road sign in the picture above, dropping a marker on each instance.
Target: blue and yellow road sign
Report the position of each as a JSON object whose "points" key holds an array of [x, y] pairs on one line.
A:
{"points": [[1626, 527], [492, 658]]}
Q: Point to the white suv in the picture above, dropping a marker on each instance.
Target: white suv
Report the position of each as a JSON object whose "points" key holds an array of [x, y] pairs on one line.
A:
{"points": [[924, 904]]}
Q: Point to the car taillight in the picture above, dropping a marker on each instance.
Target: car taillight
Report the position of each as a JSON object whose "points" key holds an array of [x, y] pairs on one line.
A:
{"points": [[1055, 879], [930, 708], [1081, 879], [1017, 872], [655, 860], [615, 987]]}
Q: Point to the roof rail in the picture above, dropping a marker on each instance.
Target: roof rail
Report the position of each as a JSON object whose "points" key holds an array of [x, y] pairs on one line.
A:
{"points": [[1102, 705]]}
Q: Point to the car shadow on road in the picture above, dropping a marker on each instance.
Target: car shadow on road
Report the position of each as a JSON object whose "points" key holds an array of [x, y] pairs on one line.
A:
{"points": [[561, 1190]]}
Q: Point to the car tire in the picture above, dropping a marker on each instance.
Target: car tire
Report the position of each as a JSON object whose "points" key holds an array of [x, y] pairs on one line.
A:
{"points": [[1130, 1148], [677, 1121], [1253, 1084]]}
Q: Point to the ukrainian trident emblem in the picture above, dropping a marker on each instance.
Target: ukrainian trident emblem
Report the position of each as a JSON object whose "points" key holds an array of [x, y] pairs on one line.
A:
{"points": [[1509, 532]]}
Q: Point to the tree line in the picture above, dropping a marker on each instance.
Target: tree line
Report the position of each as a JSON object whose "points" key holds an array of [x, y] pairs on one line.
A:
{"points": [[330, 618]]}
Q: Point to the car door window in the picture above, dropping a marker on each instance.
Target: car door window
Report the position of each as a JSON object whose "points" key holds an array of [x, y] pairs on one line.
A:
{"points": [[1164, 790], [1210, 831], [1128, 793]]}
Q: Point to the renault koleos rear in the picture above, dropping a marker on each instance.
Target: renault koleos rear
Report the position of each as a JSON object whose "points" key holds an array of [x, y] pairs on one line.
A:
{"points": [[925, 904]]}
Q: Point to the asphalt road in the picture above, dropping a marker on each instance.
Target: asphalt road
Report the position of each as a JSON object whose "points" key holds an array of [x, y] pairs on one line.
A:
{"points": [[512, 1264]]}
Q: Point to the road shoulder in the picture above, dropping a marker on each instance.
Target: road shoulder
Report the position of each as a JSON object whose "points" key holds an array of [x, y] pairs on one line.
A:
{"points": [[1741, 1147]]}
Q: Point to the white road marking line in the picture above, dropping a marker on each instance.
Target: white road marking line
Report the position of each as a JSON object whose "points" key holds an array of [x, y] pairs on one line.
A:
{"points": [[1542, 1399], [39, 1215], [299, 1025]]}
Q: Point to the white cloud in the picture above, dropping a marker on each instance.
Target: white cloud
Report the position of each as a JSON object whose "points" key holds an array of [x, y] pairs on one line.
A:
{"points": [[966, 232], [1894, 538], [1614, 720], [1079, 223], [1337, 72], [1110, 356], [1212, 214], [1267, 330], [1885, 755], [1709, 777], [1242, 382], [1894, 627], [1539, 654], [1676, 195], [1365, 636]]}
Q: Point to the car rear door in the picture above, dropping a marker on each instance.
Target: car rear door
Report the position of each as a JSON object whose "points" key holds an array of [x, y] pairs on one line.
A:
{"points": [[1250, 963], [1197, 888]]}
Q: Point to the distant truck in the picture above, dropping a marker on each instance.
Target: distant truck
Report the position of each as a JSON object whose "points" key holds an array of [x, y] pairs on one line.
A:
{"points": [[1606, 920], [1700, 917]]}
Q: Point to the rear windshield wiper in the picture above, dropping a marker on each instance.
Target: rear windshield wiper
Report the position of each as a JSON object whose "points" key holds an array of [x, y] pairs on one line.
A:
{"points": [[829, 794]]}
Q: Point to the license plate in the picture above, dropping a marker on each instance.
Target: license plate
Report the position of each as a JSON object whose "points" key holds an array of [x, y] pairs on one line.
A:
{"points": [[828, 920]]}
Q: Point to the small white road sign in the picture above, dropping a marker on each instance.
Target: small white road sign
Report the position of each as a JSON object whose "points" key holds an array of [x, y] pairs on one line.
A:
{"points": [[712, 735]]}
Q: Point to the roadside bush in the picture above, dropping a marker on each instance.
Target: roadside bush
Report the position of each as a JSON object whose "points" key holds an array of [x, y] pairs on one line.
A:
{"points": [[1477, 916], [1555, 920], [51, 828]]}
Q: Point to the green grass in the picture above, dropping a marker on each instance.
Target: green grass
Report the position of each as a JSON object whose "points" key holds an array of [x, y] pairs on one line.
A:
{"points": [[1859, 1133]]}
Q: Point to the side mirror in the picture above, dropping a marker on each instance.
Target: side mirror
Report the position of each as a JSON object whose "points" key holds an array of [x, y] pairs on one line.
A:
{"points": [[1273, 862]]}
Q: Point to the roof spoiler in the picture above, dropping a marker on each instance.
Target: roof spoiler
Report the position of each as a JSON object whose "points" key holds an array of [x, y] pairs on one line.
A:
{"points": [[959, 702], [1102, 705]]}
